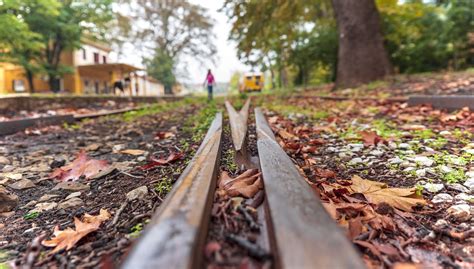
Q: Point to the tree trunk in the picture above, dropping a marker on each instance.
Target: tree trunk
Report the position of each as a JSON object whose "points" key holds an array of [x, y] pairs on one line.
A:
{"points": [[361, 57], [29, 77]]}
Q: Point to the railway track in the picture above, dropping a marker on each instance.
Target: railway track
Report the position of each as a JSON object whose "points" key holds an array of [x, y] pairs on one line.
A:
{"points": [[294, 230], [13, 126]]}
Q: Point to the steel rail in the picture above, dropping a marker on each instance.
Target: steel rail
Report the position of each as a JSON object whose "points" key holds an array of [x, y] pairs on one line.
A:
{"points": [[13, 126], [176, 234], [304, 234]]}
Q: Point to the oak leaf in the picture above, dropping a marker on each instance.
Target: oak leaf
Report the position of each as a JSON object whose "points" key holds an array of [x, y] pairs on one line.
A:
{"points": [[67, 238], [247, 184], [377, 192], [174, 156], [371, 138]]}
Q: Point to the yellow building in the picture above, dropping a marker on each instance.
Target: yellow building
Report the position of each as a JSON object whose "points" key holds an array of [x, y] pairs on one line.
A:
{"points": [[93, 74]]}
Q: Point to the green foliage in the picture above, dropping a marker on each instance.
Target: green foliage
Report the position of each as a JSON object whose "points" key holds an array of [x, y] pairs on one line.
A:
{"points": [[162, 68], [198, 124], [163, 186], [32, 215], [34, 33]]}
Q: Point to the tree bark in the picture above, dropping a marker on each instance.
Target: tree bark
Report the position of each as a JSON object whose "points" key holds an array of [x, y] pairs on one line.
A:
{"points": [[29, 77], [362, 56]]}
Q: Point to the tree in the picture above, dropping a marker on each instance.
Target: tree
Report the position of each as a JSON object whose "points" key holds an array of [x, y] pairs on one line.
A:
{"points": [[173, 29], [161, 67], [18, 43], [52, 27], [361, 57]]}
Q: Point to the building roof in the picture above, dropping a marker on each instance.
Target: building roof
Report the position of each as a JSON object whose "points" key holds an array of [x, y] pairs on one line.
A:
{"points": [[96, 43], [110, 67]]}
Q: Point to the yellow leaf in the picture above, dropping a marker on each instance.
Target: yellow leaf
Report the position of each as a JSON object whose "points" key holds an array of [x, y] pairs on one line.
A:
{"points": [[376, 192], [134, 152]]}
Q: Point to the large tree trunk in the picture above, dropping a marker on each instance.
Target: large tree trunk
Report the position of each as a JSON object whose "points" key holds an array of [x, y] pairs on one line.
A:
{"points": [[362, 57], [29, 77]]}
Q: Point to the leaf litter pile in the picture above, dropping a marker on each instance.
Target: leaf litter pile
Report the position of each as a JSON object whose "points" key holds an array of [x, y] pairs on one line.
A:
{"points": [[237, 236], [74, 197], [398, 179]]}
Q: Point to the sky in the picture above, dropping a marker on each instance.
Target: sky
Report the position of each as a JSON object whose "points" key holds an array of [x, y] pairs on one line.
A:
{"points": [[226, 62]]}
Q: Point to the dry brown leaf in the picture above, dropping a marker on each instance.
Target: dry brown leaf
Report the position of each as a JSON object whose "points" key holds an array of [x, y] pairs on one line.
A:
{"points": [[371, 138], [81, 166], [376, 192], [286, 135], [103, 216], [68, 238], [134, 152], [247, 184]]}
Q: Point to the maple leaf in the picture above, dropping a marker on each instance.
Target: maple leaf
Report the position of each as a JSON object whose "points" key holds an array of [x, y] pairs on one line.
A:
{"points": [[371, 138], [247, 184], [376, 192], [158, 162], [81, 166], [67, 238]]}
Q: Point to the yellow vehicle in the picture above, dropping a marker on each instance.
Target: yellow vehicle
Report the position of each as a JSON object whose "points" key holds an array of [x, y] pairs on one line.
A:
{"points": [[251, 82]]}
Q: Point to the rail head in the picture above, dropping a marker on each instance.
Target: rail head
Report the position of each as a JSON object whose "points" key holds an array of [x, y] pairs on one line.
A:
{"points": [[176, 233], [305, 236], [238, 124]]}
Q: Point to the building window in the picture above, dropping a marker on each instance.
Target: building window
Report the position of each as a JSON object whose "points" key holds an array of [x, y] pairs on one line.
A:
{"points": [[104, 59], [18, 85], [96, 57], [84, 54]]}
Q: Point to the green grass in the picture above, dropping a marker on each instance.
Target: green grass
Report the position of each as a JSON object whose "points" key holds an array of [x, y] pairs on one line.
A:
{"points": [[32, 215], [198, 124], [163, 186]]}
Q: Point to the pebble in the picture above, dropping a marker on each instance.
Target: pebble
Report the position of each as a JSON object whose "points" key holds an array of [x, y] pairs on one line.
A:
{"points": [[395, 160], [8, 168], [407, 164], [423, 160], [331, 149], [470, 184], [433, 188], [47, 197], [71, 186], [73, 195], [420, 172], [445, 169], [464, 197], [56, 163], [445, 133], [376, 153], [356, 161], [22, 184], [460, 212], [441, 223], [30, 204], [118, 148], [458, 187], [442, 198], [404, 146], [73, 202], [428, 149], [138, 193], [4, 160], [41, 207], [141, 159], [8, 200], [408, 169]]}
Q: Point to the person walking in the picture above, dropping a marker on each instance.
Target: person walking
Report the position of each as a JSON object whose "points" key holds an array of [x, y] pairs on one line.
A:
{"points": [[210, 81]]}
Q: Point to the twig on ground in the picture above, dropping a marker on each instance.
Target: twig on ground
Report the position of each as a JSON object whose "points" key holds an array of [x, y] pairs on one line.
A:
{"points": [[117, 214]]}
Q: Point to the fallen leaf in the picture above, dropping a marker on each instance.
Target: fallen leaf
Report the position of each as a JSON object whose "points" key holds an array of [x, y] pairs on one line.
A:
{"points": [[158, 162], [376, 192], [81, 166], [164, 135], [247, 184], [103, 216], [371, 138], [67, 238], [134, 152], [286, 135]]}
